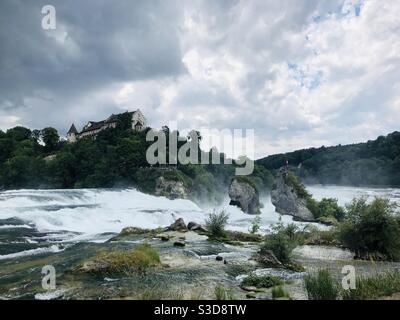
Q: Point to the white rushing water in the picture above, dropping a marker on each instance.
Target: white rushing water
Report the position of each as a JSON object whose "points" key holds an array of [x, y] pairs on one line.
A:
{"points": [[77, 215]]}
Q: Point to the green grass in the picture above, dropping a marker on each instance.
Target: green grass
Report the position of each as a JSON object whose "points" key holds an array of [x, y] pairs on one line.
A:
{"points": [[379, 285], [216, 223], [261, 281], [137, 260], [221, 293], [321, 286], [279, 292]]}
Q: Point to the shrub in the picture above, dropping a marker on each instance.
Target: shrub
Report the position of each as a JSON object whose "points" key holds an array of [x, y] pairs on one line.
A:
{"points": [[327, 207], [282, 241], [372, 229], [299, 188], [321, 286], [255, 224], [279, 292], [261, 281], [138, 260], [216, 223], [383, 284]]}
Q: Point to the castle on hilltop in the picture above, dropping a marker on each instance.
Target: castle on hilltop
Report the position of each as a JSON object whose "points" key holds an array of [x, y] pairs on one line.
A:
{"points": [[92, 128]]}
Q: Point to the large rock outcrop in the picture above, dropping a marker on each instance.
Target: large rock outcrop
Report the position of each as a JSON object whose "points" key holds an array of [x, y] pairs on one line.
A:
{"points": [[286, 200], [244, 195], [171, 189]]}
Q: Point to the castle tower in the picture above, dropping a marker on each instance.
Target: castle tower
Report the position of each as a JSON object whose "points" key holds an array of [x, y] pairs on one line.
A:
{"points": [[72, 134]]}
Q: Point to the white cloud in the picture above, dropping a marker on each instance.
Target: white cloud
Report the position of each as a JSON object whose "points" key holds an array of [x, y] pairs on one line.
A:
{"points": [[318, 72]]}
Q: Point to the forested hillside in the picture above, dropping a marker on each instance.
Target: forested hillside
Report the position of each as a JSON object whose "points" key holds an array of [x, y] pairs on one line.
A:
{"points": [[375, 162], [116, 158]]}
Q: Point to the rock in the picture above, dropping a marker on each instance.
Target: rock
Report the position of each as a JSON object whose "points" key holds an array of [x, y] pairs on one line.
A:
{"points": [[178, 225], [179, 243], [219, 258], [170, 188], [249, 288], [251, 295], [193, 226], [244, 195], [164, 238], [267, 259], [133, 230], [286, 201]]}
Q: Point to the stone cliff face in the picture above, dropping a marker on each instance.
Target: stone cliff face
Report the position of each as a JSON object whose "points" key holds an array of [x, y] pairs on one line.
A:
{"points": [[286, 201], [171, 189], [245, 196]]}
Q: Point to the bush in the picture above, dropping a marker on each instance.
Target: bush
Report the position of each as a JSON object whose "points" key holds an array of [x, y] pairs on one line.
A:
{"points": [[300, 189], [328, 207], [261, 281], [321, 286], [255, 225], [384, 284], [216, 223], [372, 229], [138, 260], [282, 241], [279, 292]]}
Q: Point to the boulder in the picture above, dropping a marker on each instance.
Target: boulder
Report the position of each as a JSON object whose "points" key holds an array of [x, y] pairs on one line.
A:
{"points": [[286, 200], [244, 195], [193, 226], [171, 189], [179, 243], [178, 225]]}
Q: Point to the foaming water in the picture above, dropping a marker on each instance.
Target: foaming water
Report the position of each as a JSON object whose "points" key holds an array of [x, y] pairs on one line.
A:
{"points": [[345, 194], [97, 214]]}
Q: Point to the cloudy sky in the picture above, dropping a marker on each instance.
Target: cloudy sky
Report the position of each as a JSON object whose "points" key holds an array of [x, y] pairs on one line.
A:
{"points": [[300, 73]]}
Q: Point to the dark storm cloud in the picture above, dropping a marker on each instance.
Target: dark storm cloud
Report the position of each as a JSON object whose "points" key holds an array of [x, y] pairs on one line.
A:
{"points": [[96, 44]]}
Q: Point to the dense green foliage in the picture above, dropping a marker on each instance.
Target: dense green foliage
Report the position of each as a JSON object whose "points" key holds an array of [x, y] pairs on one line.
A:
{"points": [[116, 158], [372, 229], [282, 241], [375, 162], [321, 286]]}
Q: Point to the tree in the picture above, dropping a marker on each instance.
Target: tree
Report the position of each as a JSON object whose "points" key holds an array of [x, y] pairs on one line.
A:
{"points": [[19, 133], [50, 139]]}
